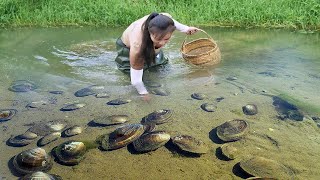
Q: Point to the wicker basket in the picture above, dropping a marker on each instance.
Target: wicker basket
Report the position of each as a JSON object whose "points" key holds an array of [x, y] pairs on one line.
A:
{"points": [[201, 51]]}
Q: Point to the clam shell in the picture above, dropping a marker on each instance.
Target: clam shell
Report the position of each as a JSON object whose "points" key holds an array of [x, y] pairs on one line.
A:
{"points": [[229, 151], [22, 139], [44, 128], [233, 130], [198, 96], [160, 92], [118, 101], [36, 104], [74, 130], [111, 120], [70, 152], [208, 107], [56, 92], [7, 114], [49, 138], [250, 109], [22, 86], [41, 176], [149, 127], [102, 95], [121, 137], [32, 160], [91, 90], [158, 117], [190, 144], [73, 106], [151, 141], [263, 167]]}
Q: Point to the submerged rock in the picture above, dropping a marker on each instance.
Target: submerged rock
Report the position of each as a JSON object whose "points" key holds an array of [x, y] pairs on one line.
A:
{"points": [[287, 110]]}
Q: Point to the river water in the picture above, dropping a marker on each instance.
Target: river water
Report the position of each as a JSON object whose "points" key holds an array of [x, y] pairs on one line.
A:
{"points": [[256, 65]]}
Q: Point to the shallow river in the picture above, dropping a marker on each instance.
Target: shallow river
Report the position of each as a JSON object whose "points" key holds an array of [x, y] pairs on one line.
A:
{"points": [[256, 66]]}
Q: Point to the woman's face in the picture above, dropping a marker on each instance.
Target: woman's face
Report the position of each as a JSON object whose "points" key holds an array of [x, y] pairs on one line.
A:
{"points": [[159, 42]]}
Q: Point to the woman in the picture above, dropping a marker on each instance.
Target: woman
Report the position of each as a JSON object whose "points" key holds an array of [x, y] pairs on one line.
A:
{"points": [[140, 45]]}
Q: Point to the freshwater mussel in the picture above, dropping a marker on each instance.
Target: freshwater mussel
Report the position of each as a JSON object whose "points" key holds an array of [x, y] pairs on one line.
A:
{"points": [[160, 92], [70, 152], [44, 128], [158, 117], [250, 109], [22, 139], [74, 130], [110, 120], [119, 101], [198, 96], [90, 90], [49, 138], [263, 167], [121, 137], [151, 141], [39, 175], [232, 130], [209, 107], [73, 106], [32, 160], [22, 86], [7, 114], [190, 144]]}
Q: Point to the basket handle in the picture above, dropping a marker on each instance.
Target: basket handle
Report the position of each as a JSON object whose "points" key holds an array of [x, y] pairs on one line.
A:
{"points": [[184, 42]]}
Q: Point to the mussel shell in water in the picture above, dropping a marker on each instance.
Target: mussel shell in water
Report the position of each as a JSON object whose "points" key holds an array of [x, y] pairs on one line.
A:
{"points": [[263, 167], [73, 106], [22, 139], [56, 92], [74, 130], [198, 96], [32, 160], [111, 120], [44, 128], [121, 137], [151, 141], [190, 144], [70, 152], [22, 86], [149, 127], [7, 114], [91, 90], [229, 151], [47, 139], [118, 101], [157, 117], [160, 92], [232, 130], [41, 176], [250, 109], [208, 107]]}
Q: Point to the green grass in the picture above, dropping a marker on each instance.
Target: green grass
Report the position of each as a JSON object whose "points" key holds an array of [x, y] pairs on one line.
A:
{"points": [[295, 14]]}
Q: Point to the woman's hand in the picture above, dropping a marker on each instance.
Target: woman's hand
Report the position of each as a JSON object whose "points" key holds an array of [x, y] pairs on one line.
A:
{"points": [[192, 30]]}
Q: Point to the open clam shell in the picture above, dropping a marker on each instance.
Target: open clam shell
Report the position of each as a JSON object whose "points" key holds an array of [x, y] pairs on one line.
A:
{"points": [[70, 152], [151, 141], [32, 160], [190, 144], [157, 117], [233, 130], [121, 137]]}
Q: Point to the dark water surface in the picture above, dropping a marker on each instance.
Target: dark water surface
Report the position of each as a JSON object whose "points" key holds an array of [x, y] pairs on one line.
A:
{"points": [[256, 65]]}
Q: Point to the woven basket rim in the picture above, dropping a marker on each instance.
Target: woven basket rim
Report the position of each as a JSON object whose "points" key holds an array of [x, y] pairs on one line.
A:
{"points": [[204, 53]]}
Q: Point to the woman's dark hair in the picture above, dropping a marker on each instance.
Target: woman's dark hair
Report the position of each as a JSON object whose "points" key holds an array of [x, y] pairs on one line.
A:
{"points": [[156, 24]]}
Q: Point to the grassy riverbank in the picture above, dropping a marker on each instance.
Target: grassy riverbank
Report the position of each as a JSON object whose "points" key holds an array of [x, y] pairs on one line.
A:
{"points": [[296, 14]]}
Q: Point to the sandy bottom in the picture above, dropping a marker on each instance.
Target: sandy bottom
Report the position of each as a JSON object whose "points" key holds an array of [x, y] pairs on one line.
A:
{"points": [[293, 144]]}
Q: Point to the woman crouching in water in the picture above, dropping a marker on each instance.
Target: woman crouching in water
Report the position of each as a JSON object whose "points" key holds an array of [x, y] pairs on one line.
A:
{"points": [[140, 45]]}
